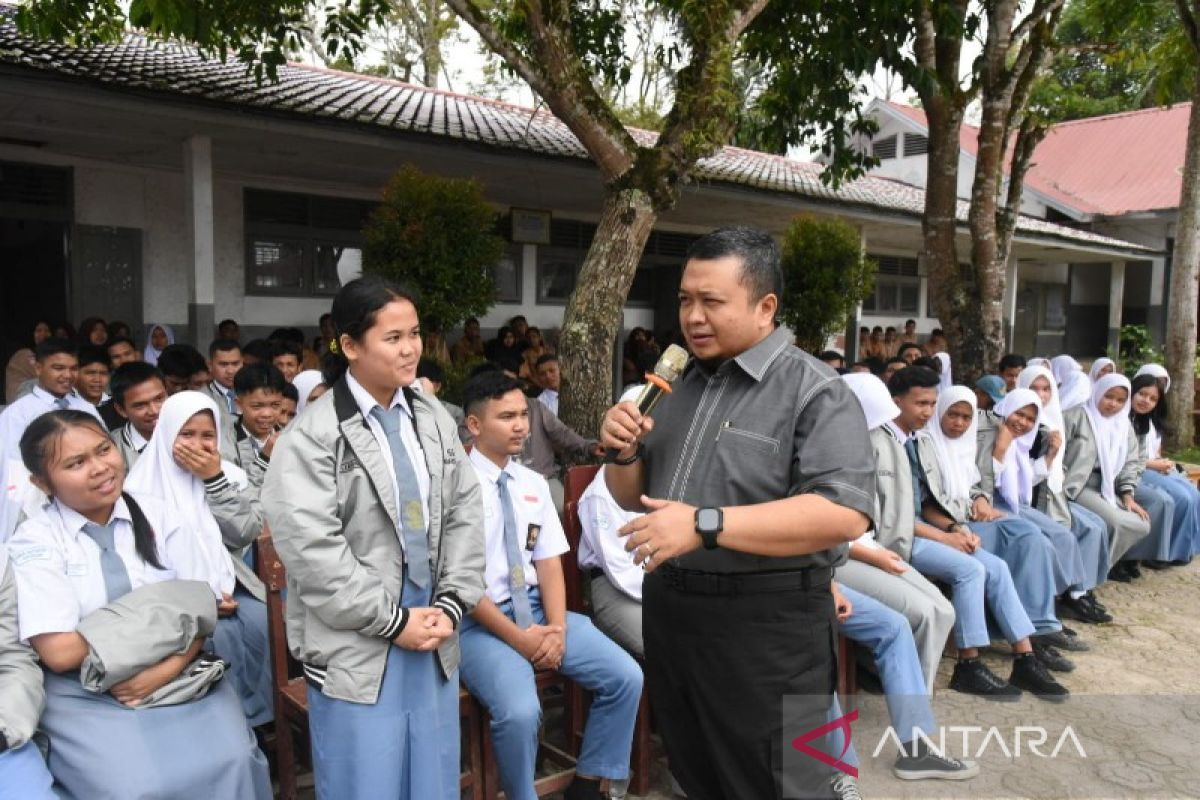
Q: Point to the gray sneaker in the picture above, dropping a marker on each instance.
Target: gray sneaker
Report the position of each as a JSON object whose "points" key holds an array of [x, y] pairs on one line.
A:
{"points": [[845, 787], [931, 766]]}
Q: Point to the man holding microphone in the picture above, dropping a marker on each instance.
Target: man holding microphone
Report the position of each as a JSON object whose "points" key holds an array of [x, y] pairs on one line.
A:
{"points": [[755, 473]]}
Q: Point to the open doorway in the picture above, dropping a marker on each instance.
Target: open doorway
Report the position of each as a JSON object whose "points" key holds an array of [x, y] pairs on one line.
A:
{"points": [[33, 278]]}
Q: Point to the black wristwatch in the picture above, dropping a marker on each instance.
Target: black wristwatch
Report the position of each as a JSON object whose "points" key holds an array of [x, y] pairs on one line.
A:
{"points": [[709, 524]]}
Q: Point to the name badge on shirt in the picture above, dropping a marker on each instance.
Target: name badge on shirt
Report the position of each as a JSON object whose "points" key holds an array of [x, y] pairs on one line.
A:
{"points": [[532, 537], [77, 569]]}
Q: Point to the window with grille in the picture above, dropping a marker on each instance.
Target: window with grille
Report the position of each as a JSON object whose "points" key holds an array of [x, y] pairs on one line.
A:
{"points": [[884, 147], [897, 286], [915, 144]]}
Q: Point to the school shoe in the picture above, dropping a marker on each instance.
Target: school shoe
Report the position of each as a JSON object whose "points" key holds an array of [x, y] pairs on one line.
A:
{"points": [[1133, 569], [1120, 573], [845, 787], [926, 764], [1083, 609], [1051, 658], [1030, 674], [1066, 639], [581, 789], [1156, 565], [971, 676]]}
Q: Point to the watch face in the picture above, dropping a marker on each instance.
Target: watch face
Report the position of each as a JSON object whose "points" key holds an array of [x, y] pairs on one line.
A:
{"points": [[708, 519]]}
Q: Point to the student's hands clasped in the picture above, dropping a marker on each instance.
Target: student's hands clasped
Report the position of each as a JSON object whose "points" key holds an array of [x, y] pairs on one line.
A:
{"points": [[962, 540], [667, 530], [542, 645], [200, 461], [425, 630]]}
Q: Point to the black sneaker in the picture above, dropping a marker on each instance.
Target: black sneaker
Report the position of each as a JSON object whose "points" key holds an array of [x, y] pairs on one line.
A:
{"points": [[845, 787], [1154, 564], [924, 764], [1181, 562], [1091, 597], [1120, 574], [1062, 640], [1051, 658], [1083, 610], [1133, 569], [971, 676], [582, 789], [1030, 674]]}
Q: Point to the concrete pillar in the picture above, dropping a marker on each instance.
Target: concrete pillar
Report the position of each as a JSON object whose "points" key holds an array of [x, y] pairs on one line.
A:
{"points": [[854, 320], [198, 191], [1011, 279], [1116, 298], [1156, 312]]}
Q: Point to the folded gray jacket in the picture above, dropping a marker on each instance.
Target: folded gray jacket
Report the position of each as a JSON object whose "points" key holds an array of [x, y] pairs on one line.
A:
{"points": [[142, 628]]}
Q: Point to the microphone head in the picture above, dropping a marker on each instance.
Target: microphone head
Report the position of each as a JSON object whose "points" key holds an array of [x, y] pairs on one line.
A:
{"points": [[671, 363]]}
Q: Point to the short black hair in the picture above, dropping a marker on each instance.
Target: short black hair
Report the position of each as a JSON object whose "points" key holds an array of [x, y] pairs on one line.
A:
{"points": [[486, 366], [323, 317], [290, 392], [93, 354], [929, 362], [761, 273], [428, 368], [116, 340], [937, 332], [222, 346], [489, 385], [287, 335], [875, 364], [545, 358], [260, 349], [831, 355], [227, 322], [914, 377], [908, 322], [896, 360], [53, 346], [181, 361], [910, 346], [258, 376], [286, 347], [1013, 361], [127, 376]]}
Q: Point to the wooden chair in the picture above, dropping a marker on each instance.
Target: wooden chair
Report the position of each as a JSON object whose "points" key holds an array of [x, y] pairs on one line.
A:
{"points": [[291, 693]]}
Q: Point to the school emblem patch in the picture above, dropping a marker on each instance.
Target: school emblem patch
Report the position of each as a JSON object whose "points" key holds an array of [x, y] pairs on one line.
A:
{"points": [[413, 516], [517, 576]]}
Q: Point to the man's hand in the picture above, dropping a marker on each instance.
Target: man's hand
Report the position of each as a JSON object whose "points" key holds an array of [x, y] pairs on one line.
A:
{"points": [[202, 462], [535, 642], [623, 427], [841, 603], [425, 630], [666, 531], [961, 540], [549, 654]]}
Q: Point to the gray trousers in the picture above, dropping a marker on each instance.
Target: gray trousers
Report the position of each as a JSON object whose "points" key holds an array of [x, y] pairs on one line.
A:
{"points": [[618, 615], [929, 613], [1125, 528]]}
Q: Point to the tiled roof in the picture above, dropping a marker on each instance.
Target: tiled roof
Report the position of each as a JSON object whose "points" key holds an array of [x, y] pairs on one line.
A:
{"points": [[145, 66], [1141, 153]]}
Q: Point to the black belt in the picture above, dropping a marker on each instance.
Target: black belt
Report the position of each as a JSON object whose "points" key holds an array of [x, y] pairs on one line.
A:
{"points": [[722, 583], [595, 572]]}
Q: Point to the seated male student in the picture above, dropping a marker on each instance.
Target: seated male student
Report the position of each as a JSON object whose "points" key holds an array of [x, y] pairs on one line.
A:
{"points": [[183, 368], [431, 377], [522, 625], [288, 358], [138, 392], [259, 389], [549, 377]]}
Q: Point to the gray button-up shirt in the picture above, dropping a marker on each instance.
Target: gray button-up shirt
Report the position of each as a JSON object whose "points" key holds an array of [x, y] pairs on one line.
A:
{"points": [[772, 423]]}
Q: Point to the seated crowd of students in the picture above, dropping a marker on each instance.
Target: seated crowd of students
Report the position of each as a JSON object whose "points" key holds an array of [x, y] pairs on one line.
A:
{"points": [[134, 491]]}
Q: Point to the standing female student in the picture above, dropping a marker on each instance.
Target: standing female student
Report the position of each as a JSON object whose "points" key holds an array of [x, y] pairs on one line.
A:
{"points": [[378, 517], [182, 467], [1101, 463], [92, 545]]}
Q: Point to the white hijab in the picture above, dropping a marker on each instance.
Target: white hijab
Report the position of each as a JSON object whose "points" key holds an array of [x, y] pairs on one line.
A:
{"points": [[956, 457], [1159, 372], [150, 353], [1112, 433], [1016, 480], [305, 382], [1038, 362], [157, 474], [1061, 368], [1099, 364], [874, 397], [1051, 417], [946, 377], [1076, 391]]}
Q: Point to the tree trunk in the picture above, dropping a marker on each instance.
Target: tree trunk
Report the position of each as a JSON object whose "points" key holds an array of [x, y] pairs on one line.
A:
{"points": [[593, 316], [1185, 270], [987, 263]]}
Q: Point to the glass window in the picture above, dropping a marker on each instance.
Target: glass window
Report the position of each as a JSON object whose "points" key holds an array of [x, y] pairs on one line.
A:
{"points": [[277, 266], [557, 270], [506, 274], [337, 264]]}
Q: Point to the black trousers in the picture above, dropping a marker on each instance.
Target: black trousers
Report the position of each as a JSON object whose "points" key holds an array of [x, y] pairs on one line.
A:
{"points": [[718, 668]]}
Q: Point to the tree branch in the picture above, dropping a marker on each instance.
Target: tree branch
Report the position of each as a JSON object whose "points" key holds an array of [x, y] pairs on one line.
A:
{"points": [[1188, 18], [477, 18]]}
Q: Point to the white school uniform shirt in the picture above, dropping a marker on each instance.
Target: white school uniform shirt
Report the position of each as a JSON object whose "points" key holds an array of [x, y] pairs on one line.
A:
{"points": [[600, 546], [549, 398], [408, 435], [57, 565], [532, 505], [15, 489]]}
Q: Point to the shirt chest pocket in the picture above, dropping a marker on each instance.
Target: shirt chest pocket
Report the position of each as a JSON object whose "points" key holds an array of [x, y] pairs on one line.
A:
{"points": [[735, 438]]}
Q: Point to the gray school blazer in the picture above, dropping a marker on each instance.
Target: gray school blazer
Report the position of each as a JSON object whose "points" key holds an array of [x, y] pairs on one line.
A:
{"points": [[330, 503], [1082, 457], [894, 514], [958, 510], [22, 695]]}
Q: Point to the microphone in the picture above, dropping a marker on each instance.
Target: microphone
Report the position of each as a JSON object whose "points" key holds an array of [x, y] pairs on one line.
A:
{"points": [[658, 384]]}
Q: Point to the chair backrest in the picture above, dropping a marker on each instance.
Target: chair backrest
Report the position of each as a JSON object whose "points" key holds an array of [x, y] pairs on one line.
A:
{"points": [[272, 573], [575, 483]]}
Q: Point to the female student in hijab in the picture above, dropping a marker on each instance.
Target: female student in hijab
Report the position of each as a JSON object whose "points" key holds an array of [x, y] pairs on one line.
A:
{"points": [[945, 374], [953, 497], [377, 515], [1148, 411], [1061, 367], [1051, 504], [309, 386], [158, 337], [1075, 392], [182, 466], [1102, 367], [1101, 464], [1159, 372], [91, 545]]}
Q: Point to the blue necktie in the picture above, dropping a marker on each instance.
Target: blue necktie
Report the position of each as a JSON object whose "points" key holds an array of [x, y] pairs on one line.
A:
{"points": [[116, 578], [914, 466], [412, 516], [62, 403], [522, 611]]}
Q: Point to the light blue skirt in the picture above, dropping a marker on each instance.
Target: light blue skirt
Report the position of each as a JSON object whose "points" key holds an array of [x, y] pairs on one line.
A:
{"points": [[103, 750], [244, 642], [1185, 534], [1161, 508]]}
